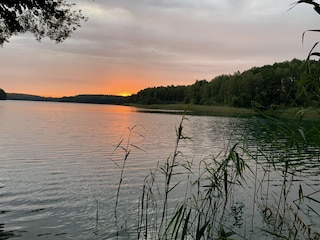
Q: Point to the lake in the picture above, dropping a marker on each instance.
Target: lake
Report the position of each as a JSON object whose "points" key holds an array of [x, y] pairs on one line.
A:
{"points": [[60, 165]]}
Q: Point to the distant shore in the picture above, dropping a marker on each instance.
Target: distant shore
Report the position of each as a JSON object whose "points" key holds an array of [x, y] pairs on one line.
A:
{"points": [[188, 109]]}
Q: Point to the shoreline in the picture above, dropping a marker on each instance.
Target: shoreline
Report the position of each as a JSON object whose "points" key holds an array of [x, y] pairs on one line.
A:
{"points": [[191, 109], [226, 111]]}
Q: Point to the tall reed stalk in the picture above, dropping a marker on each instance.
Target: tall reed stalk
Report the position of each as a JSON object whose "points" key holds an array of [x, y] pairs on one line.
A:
{"points": [[212, 201], [201, 209], [126, 147]]}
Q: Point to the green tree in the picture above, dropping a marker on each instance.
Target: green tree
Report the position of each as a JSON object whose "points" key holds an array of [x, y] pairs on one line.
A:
{"points": [[246, 89], [218, 86], [55, 19], [232, 90], [3, 95], [196, 90]]}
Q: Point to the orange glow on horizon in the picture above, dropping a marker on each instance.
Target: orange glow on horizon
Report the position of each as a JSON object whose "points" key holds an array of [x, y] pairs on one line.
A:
{"points": [[115, 82], [116, 88], [60, 95], [66, 93], [124, 94]]}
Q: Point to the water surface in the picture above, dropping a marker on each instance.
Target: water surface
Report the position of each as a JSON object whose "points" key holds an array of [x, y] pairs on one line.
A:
{"points": [[58, 163], [60, 166]]}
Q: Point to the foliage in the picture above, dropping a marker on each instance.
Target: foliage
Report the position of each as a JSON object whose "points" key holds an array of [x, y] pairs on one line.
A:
{"points": [[3, 95], [255, 186], [309, 85], [170, 94], [277, 85], [55, 19]]}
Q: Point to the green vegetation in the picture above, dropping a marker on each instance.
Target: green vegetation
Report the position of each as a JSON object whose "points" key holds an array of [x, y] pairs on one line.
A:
{"points": [[3, 95], [285, 84], [254, 187], [193, 109]]}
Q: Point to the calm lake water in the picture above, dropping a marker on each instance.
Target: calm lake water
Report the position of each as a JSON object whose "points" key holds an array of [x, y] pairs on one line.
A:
{"points": [[58, 164]]}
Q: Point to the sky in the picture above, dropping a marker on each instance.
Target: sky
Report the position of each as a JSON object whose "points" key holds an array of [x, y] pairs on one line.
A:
{"points": [[126, 46]]}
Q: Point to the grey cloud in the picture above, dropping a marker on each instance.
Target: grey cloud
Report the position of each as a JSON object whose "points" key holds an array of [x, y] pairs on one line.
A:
{"points": [[167, 30]]}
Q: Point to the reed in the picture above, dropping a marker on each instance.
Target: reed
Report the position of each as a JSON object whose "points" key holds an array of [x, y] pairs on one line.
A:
{"points": [[125, 146], [201, 210], [284, 151], [269, 164]]}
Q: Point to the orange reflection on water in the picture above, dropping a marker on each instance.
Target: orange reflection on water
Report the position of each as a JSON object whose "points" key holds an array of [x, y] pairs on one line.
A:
{"points": [[120, 109]]}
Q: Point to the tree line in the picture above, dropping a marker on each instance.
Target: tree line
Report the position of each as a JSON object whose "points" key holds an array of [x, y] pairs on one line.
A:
{"points": [[3, 94], [83, 98], [285, 84]]}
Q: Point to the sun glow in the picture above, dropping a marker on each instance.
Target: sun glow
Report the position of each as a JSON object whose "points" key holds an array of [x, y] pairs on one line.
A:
{"points": [[124, 94]]}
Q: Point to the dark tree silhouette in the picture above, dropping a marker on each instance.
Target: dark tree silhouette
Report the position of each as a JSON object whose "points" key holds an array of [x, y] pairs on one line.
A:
{"points": [[55, 19], [3, 95]]}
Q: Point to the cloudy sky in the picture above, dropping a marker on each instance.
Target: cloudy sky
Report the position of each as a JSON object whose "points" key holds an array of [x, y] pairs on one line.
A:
{"points": [[128, 45]]}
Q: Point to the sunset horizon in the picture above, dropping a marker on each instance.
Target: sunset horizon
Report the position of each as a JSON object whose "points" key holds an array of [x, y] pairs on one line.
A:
{"points": [[159, 119], [122, 90], [125, 47]]}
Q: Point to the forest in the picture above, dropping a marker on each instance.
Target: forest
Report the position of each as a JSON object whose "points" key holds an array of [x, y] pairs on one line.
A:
{"points": [[286, 84]]}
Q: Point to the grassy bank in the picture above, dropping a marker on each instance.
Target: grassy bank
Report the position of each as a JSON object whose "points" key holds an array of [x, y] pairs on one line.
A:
{"points": [[307, 113], [209, 110]]}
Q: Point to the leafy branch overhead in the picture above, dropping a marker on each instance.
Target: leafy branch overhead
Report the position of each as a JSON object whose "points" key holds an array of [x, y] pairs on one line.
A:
{"points": [[316, 8], [55, 19], [310, 84]]}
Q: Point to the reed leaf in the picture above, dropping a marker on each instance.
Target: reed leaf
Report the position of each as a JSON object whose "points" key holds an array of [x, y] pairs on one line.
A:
{"points": [[275, 234], [185, 226], [200, 232], [311, 50], [312, 199], [301, 195], [315, 54], [137, 147], [311, 30], [175, 222], [313, 210]]}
